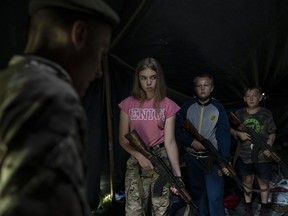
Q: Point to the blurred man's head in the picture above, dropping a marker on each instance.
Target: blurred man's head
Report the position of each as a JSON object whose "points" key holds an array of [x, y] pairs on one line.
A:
{"points": [[74, 33]]}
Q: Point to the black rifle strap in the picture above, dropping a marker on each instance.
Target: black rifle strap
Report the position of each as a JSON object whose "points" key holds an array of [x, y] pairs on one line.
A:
{"points": [[140, 189]]}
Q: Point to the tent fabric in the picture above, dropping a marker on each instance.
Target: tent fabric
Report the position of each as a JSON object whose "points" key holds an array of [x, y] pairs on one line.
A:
{"points": [[239, 42]]}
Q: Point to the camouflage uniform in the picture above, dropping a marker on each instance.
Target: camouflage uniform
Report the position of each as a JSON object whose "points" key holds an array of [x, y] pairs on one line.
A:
{"points": [[139, 185], [42, 126]]}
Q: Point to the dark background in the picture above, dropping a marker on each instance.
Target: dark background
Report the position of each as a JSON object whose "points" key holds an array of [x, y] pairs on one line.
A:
{"points": [[239, 42]]}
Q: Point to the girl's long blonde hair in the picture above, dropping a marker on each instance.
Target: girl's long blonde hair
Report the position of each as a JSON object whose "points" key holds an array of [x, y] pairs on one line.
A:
{"points": [[160, 88]]}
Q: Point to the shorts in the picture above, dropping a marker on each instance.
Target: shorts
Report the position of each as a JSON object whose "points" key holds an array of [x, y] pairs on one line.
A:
{"points": [[261, 170]]}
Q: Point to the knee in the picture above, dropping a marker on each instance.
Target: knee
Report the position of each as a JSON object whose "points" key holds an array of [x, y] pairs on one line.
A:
{"points": [[263, 183], [248, 180]]}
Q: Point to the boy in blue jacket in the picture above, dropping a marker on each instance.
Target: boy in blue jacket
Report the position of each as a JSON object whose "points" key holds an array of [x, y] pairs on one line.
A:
{"points": [[209, 117]]}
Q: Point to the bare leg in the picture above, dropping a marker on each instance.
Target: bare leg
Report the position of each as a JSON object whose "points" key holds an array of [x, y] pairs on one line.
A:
{"points": [[264, 186], [248, 184]]}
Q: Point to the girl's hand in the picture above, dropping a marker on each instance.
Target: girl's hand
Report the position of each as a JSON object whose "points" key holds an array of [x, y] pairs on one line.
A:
{"points": [[180, 183], [174, 190], [145, 163]]}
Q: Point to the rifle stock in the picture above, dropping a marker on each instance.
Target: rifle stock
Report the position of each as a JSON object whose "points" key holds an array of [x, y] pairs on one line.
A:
{"points": [[189, 127], [235, 121], [161, 168], [257, 140]]}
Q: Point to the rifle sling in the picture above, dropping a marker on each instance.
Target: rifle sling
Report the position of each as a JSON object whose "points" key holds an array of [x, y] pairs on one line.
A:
{"points": [[140, 189], [256, 190], [237, 153]]}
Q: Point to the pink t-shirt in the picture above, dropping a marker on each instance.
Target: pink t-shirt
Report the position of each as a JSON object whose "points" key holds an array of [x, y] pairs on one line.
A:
{"points": [[146, 120]]}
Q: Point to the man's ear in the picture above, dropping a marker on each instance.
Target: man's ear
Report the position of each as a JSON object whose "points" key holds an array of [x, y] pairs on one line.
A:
{"points": [[79, 34]]}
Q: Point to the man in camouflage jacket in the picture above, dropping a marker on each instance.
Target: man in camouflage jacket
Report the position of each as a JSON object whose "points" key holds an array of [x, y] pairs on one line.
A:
{"points": [[42, 122]]}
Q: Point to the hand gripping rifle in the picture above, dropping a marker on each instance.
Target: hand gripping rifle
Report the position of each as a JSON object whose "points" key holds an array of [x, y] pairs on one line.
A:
{"points": [[161, 168], [189, 127], [258, 141]]}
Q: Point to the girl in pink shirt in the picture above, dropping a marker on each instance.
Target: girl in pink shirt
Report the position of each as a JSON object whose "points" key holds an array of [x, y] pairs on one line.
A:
{"points": [[152, 115]]}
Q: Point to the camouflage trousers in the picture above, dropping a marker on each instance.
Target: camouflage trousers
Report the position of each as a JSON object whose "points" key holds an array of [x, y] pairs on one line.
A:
{"points": [[139, 185]]}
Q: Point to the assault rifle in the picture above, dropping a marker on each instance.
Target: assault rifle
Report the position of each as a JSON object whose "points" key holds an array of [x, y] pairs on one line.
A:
{"points": [[189, 127], [259, 142], [161, 168]]}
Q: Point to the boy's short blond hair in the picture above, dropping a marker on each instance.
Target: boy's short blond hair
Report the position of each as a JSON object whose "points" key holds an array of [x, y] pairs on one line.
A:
{"points": [[249, 88]]}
